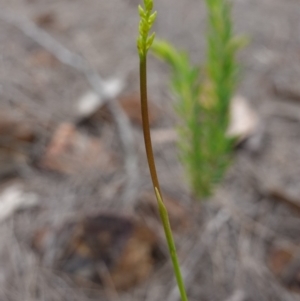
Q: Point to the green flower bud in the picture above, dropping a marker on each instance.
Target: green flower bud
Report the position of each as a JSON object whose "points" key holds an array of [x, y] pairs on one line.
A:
{"points": [[145, 41], [152, 18], [142, 12], [149, 5], [150, 40]]}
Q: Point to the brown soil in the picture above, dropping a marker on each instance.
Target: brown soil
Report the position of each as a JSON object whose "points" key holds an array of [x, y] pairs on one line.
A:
{"points": [[227, 250]]}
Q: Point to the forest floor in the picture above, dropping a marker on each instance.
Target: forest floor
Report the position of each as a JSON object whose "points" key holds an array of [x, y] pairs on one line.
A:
{"points": [[60, 168]]}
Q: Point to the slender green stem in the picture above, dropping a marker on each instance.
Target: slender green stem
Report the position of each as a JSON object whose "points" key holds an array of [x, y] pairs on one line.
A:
{"points": [[151, 162], [144, 42], [172, 249]]}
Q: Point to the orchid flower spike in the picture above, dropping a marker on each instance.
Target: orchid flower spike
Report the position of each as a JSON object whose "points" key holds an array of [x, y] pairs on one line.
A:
{"points": [[148, 17]]}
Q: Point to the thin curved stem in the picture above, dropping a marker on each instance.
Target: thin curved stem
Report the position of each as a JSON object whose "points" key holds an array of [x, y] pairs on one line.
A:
{"points": [[146, 126], [151, 162]]}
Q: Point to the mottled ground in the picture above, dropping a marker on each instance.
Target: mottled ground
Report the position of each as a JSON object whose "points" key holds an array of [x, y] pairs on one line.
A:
{"points": [[226, 251]]}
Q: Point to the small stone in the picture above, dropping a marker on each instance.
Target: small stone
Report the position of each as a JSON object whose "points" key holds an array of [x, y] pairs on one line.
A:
{"points": [[71, 151], [90, 102], [244, 122], [14, 198]]}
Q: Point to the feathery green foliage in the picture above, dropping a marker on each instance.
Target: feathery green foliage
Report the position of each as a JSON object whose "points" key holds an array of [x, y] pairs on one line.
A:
{"points": [[185, 85], [204, 104], [143, 43]]}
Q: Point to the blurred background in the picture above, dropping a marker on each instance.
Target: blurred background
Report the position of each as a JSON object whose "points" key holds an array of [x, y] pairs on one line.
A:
{"points": [[78, 218]]}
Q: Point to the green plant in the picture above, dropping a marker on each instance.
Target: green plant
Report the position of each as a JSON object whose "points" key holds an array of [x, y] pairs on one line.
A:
{"points": [[204, 104], [144, 42], [185, 85]]}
